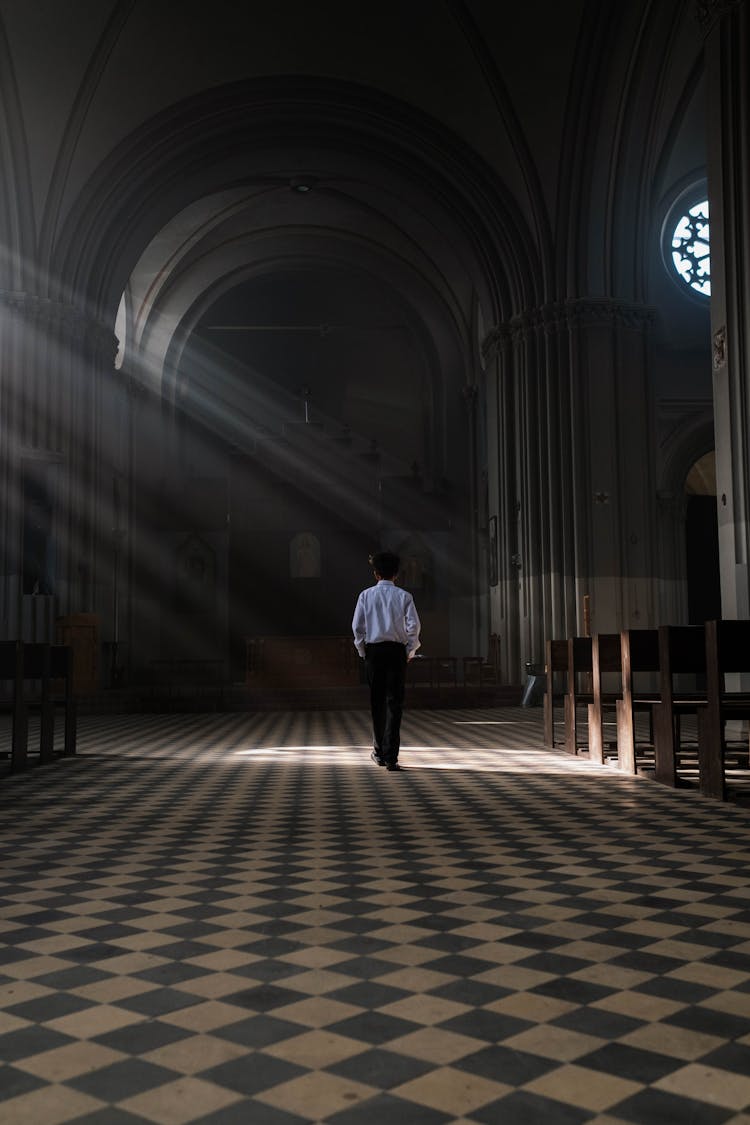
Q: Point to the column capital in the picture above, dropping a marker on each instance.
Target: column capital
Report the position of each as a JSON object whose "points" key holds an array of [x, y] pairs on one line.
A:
{"points": [[560, 315], [709, 11], [598, 310], [494, 341]]}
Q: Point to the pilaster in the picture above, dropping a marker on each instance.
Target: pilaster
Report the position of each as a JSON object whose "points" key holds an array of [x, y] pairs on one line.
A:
{"points": [[727, 58]]}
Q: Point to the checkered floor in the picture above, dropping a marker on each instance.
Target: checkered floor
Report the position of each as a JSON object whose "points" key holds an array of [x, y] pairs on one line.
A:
{"points": [[240, 919]]}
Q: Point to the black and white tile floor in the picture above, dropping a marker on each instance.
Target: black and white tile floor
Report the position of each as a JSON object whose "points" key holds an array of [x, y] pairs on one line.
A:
{"points": [[238, 919]]}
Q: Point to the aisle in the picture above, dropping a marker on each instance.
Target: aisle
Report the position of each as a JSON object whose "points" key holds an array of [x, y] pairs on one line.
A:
{"points": [[237, 919]]}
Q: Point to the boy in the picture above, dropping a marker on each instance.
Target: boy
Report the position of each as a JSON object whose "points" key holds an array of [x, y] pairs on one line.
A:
{"points": [[386, 635]]}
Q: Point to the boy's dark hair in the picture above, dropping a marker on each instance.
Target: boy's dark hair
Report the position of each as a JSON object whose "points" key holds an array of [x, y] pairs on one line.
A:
{"points": [[385, 563]]}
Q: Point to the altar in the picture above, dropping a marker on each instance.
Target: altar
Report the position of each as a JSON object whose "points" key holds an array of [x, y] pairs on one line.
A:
{"points": [[294, 663]]}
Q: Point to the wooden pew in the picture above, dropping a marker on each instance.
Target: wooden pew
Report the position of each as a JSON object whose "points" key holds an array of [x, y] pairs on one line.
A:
{"points": [[480, 670], [585, 660], [579, 690], [11, 670], [61, 672], [727, 651], [555, 664], [639, 654], [682, 652], [36, 666], [48, 665], [606, 660]]}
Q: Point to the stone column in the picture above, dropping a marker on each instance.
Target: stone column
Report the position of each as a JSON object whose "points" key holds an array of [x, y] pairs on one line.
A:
{"points": [[570, 473], [465, 610], [52, 363], [502, 505], [727, 56]]}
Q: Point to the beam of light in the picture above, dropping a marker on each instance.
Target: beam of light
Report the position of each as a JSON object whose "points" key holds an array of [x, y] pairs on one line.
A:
{"points": [[314, 748], [245, 410], [242, 406], [233, 405], [240, 403], [46, 407], [450, 758], [46, 412], [224, 402]]}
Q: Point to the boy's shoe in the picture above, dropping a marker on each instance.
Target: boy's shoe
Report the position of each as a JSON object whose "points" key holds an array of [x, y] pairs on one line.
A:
{"points": [[377, 759]]}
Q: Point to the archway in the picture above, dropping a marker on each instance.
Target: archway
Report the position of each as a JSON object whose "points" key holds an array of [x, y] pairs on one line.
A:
{"points": [[396, 426], [327, 424]]}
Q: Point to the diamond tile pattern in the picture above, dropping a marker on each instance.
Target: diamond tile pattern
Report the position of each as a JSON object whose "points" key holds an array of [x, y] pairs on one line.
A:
{"points": [[239, 919]]}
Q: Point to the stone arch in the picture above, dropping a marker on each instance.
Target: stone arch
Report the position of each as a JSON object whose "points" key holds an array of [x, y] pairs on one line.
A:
{"points": [[435, 321], [209, 186], [686, 444], [689, 440], [223, 137]]}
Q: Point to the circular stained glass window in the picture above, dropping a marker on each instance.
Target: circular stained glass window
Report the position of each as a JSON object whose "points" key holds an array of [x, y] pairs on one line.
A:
{"points": [[691, 251]]}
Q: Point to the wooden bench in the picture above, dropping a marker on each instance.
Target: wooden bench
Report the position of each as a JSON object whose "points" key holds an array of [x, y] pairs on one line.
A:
{"points": [[606, 660], [682, 653], [727, 651], [304, 662], [639, 655], [445, 671], [478, 670], [556, 694], [11, 670], [576, 663], [719, 649], [432, 671], [61, 673], [37, 666], [578, 691], [48, 665], [588, 659]]}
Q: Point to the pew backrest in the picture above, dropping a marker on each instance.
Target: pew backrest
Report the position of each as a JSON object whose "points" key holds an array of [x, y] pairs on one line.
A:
{"points": [[556, 662], [11, 661], [61, 664], [595, 655], [682, 652], [47, 665], [639, 651], [580, 661], [36, 662], [606, 659], [556, 656], [727, 649]]}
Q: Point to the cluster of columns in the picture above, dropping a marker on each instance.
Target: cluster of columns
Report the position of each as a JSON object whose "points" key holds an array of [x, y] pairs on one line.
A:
{"points": [[570, 417], [571, 479], [56, 366], [727, 55]]}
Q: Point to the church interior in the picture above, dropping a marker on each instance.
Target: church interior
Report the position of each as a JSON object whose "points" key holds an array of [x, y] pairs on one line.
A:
{"points": [[282, 286]]}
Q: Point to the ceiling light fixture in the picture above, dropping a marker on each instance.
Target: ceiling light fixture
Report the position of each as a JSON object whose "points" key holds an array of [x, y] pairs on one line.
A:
{"points": [[302, 183]]}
